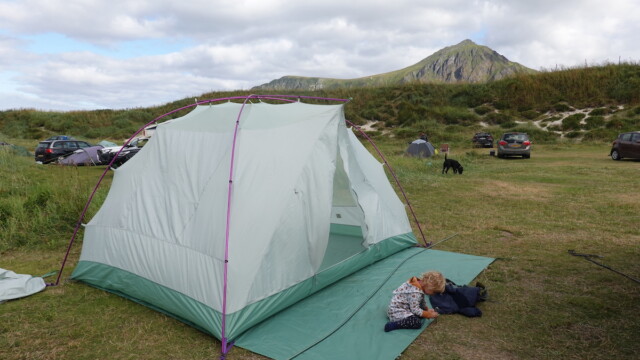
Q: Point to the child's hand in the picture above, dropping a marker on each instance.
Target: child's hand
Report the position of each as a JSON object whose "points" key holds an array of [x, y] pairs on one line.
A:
{"points": [[432, 314]]}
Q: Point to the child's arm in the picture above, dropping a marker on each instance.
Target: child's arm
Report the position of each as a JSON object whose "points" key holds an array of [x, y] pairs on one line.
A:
{"points": [[416, 304]]}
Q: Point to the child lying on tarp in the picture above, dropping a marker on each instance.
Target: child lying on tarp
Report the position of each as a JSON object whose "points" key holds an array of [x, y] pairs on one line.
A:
{"points": [[408, 307]]}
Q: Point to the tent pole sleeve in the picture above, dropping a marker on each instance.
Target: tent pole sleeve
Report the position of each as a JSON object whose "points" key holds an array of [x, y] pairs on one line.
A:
{"points": [[227, 226], [415, 218]]}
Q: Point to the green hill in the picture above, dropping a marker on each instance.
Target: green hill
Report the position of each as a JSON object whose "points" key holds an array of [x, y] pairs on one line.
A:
{"points": [[465, 62]]}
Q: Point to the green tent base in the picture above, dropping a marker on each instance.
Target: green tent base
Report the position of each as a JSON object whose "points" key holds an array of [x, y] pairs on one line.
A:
{"points": [[346, 320]]}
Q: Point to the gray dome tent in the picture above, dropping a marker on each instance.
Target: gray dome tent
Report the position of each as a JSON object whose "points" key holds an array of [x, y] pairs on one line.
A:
{"points": [[421, 148]]}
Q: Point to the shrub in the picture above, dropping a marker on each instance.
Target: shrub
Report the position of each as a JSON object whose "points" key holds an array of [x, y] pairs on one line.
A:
{"points": [[562, 107], [593, 122], [572, 122], [573, 134], [406, 133], [483, 109], [530, 114], [496, 118], [599, 112], [537, 135], [600, 134], [508, 124], [615, 123]]}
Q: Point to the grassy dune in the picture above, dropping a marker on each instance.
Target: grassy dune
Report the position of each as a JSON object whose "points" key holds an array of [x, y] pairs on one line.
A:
{"points": [[544, 302]]}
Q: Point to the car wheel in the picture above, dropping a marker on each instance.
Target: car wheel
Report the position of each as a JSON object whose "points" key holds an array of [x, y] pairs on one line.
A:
{"points": [[615, 155]]}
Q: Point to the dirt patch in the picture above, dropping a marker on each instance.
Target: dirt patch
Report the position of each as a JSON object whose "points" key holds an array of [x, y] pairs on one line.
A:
{"points": [[519, 191]]}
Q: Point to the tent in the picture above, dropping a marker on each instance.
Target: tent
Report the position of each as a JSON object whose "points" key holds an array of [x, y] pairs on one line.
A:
{"points": [[420, 148], [83, 156], [234, 212]]}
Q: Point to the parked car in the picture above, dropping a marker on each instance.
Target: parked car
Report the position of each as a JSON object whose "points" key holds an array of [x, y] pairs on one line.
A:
{"points": [[483, 140], [49, 151], [514, 143], [105, 155], [627, 145]]}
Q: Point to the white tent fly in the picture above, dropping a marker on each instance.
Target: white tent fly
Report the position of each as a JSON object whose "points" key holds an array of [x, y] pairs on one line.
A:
{"points": [[235, 211]]}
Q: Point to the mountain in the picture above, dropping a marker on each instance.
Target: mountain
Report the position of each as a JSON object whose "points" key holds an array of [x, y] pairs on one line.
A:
{"points": [[466, 62]]}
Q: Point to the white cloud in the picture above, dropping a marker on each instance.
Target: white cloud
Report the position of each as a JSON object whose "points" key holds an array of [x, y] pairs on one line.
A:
{"points": [[235, 44]]}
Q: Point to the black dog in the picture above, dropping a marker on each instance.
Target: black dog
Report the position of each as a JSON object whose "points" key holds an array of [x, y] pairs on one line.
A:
{"points": [[451, 164]]}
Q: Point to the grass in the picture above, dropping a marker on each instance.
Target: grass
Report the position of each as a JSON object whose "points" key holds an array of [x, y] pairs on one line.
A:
{"points": [[527, 214]]}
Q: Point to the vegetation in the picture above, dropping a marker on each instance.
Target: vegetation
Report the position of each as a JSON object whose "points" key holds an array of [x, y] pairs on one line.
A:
{"points": [[527, 214], [610, 91]]}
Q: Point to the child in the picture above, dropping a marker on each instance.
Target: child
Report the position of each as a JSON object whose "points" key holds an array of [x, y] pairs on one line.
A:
{"points": [[407, 307]]}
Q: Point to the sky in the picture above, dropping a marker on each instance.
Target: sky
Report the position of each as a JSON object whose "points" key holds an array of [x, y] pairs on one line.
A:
{"points": [[65, 55]]}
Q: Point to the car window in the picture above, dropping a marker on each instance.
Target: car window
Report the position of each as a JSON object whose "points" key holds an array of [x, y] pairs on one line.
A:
{"points": [[635, 138], [42, 145], [71, 145], [83, 144], [625, 137], [58, 145]]}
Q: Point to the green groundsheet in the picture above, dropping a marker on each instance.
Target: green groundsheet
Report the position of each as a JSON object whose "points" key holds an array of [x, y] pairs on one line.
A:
{"points": [[346, 320]]}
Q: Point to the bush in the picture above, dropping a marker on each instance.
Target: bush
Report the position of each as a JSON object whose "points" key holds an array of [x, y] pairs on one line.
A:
{"points": [[483, 109], [508, 124], [530, 114], [537, 135], [572, 122], [599, 112], [600, 135], [593, 122], [562, 107], [615, 123], [573, 134], [496, 118]]}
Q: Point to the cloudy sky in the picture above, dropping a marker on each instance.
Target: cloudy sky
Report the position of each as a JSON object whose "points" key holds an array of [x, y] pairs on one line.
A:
{"points": [[114, 54]]}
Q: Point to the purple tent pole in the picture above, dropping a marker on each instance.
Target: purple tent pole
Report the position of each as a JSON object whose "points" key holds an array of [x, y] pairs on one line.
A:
{"points": [[415, 218], [223, 337]]}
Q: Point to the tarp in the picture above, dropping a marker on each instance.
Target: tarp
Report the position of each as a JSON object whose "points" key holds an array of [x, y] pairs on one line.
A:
{"points": [[346, 320], [420, 148], [84, 156], [14, 286]]}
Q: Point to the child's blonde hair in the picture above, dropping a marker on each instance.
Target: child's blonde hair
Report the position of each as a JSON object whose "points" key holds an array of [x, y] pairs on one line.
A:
{"points": [[433, 280]]}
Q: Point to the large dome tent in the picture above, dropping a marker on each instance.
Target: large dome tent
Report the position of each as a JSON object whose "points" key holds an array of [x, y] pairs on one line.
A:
{"points": [[235, 211]]}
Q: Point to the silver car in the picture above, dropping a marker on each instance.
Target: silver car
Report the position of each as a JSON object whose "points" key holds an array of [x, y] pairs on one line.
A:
{"points": [[514, 144]]}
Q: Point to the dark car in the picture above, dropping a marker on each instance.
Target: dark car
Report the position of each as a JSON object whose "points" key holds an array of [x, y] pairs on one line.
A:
{"points": [[514, 143], [105, 155], [627, 145], [483, 140], [49, 151]]}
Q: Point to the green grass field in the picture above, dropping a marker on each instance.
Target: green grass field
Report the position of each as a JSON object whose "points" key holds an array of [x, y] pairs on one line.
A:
{"points": [[544, 303]]}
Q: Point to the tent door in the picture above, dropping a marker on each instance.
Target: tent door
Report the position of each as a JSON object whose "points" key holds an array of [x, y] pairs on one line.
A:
{"points": [[346, 237]]}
